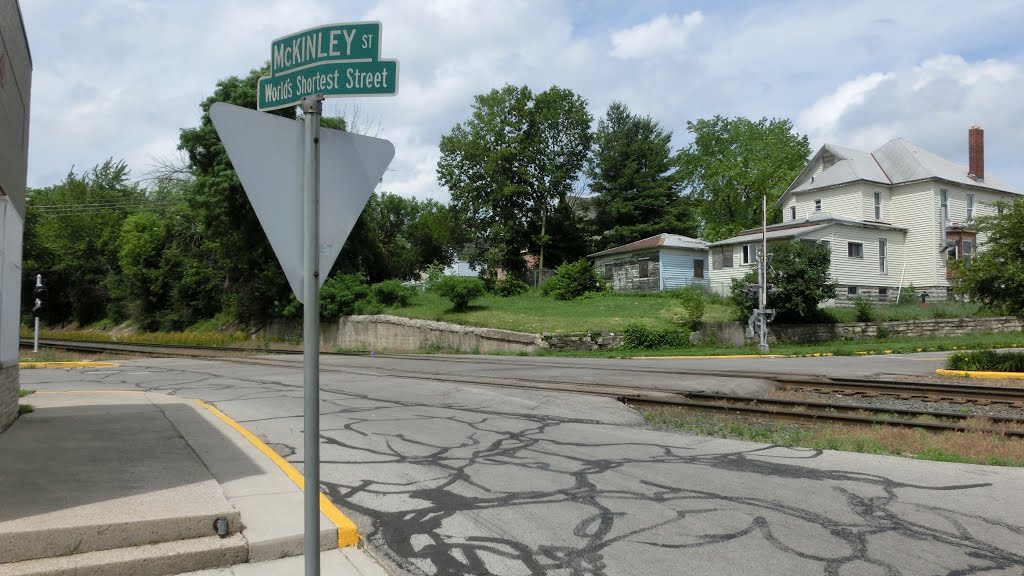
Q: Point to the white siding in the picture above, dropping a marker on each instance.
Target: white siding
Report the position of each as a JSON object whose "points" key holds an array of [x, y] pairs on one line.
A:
{"points": [[721, 279], [864, 271], [11, 227], [845, 201], [916, 208]]}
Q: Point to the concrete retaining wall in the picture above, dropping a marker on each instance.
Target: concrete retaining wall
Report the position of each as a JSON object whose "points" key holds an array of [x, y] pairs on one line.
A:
{"points": [[911, 328], [393, 333], [8, 395]]}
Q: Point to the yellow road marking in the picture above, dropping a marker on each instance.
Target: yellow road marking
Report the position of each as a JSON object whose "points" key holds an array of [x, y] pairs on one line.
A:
{"points": [[68, 364], [348, 534]]}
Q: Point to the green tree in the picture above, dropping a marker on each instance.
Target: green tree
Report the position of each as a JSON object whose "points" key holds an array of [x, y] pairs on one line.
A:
{"points": [[251, 277], [631, 172], [731, 163], [72, 238], [995, 275], [800, 280], [511, 165]]}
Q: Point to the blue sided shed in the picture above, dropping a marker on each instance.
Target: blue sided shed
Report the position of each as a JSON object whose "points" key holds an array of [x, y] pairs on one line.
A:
{"points": [[661, 262]]}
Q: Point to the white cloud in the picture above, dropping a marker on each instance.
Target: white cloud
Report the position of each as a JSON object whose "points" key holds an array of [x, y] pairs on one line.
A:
{"points": [[932, 104], [821, 118], [663, 36], [120, 78]]}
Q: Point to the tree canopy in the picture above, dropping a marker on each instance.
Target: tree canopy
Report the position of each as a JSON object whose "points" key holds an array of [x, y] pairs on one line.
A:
{"points": [[731, 163], [511, 164], [631, 172], [799, 280], [995, 275]]}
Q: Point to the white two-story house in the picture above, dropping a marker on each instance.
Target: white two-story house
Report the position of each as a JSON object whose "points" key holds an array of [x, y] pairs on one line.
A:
{"points": [[892, 217]]}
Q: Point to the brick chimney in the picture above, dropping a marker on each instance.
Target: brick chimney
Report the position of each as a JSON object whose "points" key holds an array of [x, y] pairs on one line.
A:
{"points": [[976, 153]]}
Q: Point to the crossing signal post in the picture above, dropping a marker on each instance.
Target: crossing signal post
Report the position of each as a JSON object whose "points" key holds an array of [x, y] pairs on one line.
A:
{"points": [[40, 293]]}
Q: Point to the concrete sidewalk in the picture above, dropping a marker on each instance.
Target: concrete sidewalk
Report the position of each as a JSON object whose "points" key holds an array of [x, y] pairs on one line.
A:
{"points": [[135, 483]]}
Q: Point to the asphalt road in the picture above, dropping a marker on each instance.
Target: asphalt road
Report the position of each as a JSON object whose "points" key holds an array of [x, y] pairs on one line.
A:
{"points": [[447, 478]]}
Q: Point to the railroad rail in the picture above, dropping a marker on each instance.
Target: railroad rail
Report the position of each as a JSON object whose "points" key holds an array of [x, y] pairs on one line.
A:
{"points": [[794, 410]]}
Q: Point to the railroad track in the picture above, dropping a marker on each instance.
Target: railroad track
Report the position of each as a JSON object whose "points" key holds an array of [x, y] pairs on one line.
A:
{"points": [[699, 401]]}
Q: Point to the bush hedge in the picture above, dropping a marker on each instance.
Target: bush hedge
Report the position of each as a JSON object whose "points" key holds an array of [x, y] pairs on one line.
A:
{"points": [[461, 290], [987, 360]]}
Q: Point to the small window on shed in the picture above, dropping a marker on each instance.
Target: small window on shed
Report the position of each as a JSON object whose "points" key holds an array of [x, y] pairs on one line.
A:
{"points": [[609, 271], [645, 269], [698, 268]]}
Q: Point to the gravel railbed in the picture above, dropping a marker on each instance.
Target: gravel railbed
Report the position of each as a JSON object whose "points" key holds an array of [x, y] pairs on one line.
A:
{"points": [[888, 402]]}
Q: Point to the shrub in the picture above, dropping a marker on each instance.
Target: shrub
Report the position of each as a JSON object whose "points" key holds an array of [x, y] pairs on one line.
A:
{"points": [[392, 293], [510, 286], [864, 309], [340, 294], [908, 295], [573, 280], [695, 300], [799, 280], [987, 360], [460, 290], [641, 337]]}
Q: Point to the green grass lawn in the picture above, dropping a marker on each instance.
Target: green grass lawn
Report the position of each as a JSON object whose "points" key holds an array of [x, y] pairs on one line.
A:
{"points": [[893, 312], [535, 313]]}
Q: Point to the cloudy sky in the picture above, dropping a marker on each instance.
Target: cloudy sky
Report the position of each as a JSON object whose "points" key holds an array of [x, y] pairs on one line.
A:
{"points": [[120, 78]]}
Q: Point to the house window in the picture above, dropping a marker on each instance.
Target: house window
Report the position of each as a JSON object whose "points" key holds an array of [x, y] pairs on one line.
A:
{"points": [[792, 212], [698, 268], [645, 269], [970, 206], [944, 204], [855, 249], [883, 292], [817, 205], [827, 244], [852, 290], [721, 257], [883, 256], [609, 271], [967, 250], [878, 206], [999, 209], [749, 253]]}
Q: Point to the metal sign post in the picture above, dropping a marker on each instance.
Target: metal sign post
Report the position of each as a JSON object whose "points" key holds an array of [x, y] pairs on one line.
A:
{"points": [[312, 108], [307, 235]]}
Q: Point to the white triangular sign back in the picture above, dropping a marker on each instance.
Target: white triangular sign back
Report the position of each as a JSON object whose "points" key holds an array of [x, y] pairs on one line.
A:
{"points": [[266, 152]]}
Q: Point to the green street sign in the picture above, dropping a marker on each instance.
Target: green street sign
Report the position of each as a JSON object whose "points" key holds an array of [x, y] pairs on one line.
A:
{"points": [[334, 60]]}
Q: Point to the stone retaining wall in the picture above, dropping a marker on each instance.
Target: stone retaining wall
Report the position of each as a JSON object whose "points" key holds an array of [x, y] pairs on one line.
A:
{"points": [[909, 328], [584, 341], [8, 395]]}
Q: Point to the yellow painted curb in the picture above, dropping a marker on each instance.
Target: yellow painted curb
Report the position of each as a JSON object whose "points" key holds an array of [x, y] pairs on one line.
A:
{"points": [[980, 374], [68, 364], [348, 534]]}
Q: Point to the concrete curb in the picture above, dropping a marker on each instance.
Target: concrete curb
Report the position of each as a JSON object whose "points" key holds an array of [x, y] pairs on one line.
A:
{"points": [[981, 374], [82, 364], [348, 533]]}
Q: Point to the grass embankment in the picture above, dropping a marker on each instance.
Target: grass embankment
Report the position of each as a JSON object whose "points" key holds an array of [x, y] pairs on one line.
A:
{"points": [[188, 338], [966, 447], [896, 312], [534, 313]]}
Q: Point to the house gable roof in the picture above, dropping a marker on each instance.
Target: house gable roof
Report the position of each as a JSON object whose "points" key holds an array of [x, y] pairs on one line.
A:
{"points": [[895, 162], [661, 240]]}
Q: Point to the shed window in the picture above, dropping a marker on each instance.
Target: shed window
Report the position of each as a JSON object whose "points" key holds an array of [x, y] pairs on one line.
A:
{"points": [[698, 268], [855, 249], [609, 271], [645, 269]]}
